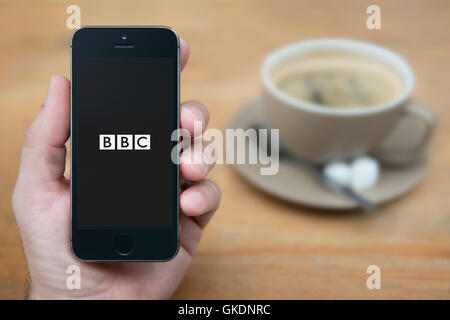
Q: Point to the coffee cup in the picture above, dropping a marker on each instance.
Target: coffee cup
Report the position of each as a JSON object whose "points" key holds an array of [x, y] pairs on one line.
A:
{"points": [[336, 99]]}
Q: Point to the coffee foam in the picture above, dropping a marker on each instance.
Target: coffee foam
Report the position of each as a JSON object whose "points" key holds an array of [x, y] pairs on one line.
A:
{"points": [[381, 80]]}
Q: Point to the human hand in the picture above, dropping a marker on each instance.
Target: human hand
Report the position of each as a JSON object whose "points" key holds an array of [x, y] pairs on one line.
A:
{"points": [[41, 203]]}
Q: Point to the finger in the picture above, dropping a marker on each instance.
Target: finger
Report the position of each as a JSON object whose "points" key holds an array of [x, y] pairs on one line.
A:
{"points": [[197, 161], [44, 153], [194, 113], [191, 233], [184, 48], [51, 126], [200, 201]]}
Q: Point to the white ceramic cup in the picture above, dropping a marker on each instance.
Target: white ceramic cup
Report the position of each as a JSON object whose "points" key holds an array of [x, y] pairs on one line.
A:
{"points": [[323, 134]]}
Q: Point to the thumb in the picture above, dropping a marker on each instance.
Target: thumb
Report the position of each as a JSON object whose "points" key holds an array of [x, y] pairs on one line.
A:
{"points": [[44, 154]]}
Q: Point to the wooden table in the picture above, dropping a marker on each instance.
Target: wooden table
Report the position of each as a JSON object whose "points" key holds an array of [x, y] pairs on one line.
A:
{"points": [[257, 246]]}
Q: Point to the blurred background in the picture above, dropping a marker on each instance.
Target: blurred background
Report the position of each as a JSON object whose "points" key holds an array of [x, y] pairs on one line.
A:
{"points": [[257, 247]]}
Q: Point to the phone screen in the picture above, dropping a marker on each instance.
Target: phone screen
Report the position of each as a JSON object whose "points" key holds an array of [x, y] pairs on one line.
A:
{"points": [[124, 141]]}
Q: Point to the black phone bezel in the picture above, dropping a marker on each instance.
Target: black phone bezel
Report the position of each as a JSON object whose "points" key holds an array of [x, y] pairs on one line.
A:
{"points": [[155, 243]]}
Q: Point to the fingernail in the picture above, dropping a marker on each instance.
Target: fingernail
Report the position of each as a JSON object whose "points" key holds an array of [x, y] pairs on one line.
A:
{"points": [[207, 162], [197, 201], [50, 92], [209, 154], [196, 114]]}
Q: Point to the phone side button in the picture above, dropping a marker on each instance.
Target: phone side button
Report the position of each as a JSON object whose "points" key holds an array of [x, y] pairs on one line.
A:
{"points": [[124, 245]]}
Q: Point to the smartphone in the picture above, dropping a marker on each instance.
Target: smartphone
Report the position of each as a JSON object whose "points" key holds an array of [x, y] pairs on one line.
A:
{"points": [[124, 110]]}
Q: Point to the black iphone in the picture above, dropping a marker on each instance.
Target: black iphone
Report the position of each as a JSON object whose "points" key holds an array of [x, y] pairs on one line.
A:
{"points": [[124, 110]]}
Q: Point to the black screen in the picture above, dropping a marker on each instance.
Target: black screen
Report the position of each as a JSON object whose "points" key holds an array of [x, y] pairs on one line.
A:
{"points": [[135, 97]]}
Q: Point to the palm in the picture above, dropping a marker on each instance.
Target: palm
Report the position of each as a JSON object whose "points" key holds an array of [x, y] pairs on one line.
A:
{"points": [[51, 211]]}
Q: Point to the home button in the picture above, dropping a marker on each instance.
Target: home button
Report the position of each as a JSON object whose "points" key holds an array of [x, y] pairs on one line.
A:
{"points": [[124, 245]]}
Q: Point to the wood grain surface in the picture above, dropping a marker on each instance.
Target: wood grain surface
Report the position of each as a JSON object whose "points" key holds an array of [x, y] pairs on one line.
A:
{"points": [[256, 246]]}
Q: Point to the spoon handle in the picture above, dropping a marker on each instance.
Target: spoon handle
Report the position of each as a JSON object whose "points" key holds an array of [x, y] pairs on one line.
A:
{"points": [[364, 203], [345, 191], [317, 173]]}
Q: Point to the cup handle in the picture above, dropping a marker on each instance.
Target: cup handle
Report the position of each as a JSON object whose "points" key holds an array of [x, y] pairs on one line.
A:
{"points": [[421, 114]]}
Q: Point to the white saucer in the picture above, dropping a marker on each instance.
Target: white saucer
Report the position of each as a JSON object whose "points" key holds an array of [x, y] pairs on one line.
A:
{"points": [[295, 185]]}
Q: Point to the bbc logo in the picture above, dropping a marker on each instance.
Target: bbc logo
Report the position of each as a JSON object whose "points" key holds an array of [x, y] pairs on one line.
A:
{"points": [[124, 142]]}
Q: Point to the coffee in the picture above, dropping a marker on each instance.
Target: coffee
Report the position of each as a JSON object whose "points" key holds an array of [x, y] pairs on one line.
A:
{"points": [[338, 79]]}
